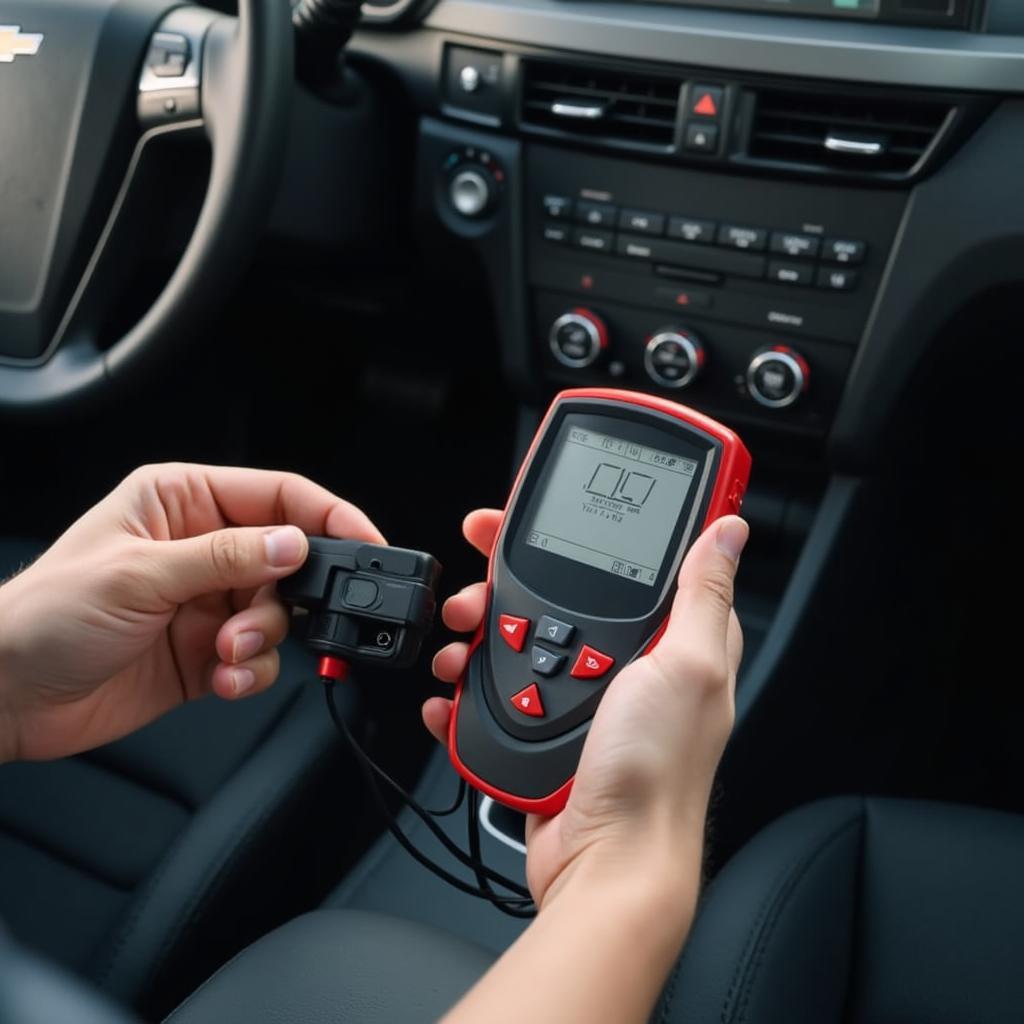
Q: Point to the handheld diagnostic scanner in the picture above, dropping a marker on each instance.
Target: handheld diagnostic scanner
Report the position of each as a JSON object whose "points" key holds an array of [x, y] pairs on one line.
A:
{"points": [[615, 488]]}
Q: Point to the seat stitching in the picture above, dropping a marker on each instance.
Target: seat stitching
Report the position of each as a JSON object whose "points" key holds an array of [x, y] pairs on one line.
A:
{"points": [[780, 898], [670, 992]]}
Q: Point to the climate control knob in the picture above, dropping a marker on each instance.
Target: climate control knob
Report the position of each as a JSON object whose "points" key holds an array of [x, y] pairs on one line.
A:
{"points": [[578, 338], [471, 191], [777, 377], [673, 357]]}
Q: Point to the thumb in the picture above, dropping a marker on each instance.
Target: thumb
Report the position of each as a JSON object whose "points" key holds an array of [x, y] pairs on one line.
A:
{"points": [[699, 620], [239, 558]]}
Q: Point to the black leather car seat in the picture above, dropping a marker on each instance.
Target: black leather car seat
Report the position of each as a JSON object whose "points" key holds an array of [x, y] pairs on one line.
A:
{"points": [[873, 911], [143, 865], [343, 966], [847, 910], [865, 911]]}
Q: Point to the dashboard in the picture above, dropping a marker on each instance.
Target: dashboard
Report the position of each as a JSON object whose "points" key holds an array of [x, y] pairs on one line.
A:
{"points": [[770, 218]]}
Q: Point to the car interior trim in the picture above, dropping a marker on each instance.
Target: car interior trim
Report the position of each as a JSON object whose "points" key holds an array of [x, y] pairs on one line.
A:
{"points": [[814, 48]]}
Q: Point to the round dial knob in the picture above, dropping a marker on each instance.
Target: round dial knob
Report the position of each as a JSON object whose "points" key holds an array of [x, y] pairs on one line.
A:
{"points": [[777, 377], [673, 357], [577, 338], [471, 191]]}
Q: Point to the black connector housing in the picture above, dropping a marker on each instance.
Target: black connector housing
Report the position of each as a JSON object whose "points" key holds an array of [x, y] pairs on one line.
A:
{"points": [[367, 603]]}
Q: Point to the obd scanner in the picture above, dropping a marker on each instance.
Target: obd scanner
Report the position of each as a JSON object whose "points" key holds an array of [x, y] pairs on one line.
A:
{"points": [[615, 488]]}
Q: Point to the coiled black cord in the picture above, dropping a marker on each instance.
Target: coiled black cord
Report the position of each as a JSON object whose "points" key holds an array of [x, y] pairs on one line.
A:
{"points": [[518, 905]]}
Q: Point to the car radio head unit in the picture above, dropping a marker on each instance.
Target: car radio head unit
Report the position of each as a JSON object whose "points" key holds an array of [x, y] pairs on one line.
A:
{"points": [[937, 13]]}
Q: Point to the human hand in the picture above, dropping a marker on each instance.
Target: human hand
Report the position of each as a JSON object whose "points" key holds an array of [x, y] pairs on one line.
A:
{"points": [[161, 593], [640, 796]]}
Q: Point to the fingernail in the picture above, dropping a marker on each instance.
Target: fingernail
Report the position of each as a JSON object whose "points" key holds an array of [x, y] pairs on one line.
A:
{"points": [[246, 645], [284, 546], [732, 537], [242, 680]]}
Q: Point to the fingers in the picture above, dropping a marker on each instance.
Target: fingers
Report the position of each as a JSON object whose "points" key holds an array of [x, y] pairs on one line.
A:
{"points": [[247, 678], [463, 611], [264, 624], [249, 497], [252, 497], [481, 527], [699, 629], [437, 713], [231, 559], [246, 645], [450, 662]]}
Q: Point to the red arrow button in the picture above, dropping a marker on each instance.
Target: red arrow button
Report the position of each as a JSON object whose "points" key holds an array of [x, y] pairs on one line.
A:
{"points": [[591, 663], [513, 630], [528, 702]]}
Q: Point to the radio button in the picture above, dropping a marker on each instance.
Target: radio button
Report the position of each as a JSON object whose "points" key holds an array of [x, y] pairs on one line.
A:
{"points": [[792, 244], [554, 631], [748, 239], [595, 241], [591, 664], [558, 207], [840, 250], [556, 233], [641, 222], [790, 273], [596, 215], [546, 663], [635, 248], [836, 279], [701, 137], [513, 630], [689, 229], [528, 702]]}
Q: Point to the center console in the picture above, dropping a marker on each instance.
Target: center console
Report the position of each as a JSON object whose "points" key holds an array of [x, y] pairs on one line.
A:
{"points": [[748, 298], [719, 240]]}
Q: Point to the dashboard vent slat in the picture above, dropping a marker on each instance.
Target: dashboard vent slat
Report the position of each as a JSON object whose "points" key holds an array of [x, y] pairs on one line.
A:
{"points": [[637, 108], [791, 128]]}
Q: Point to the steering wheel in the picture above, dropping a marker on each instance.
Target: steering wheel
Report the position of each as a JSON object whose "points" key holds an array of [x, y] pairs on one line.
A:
{"points": [[85, 87]]}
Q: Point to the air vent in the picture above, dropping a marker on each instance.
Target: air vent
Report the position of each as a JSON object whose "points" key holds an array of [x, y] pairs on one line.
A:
{"points": [[874, 136], [613, 106]]}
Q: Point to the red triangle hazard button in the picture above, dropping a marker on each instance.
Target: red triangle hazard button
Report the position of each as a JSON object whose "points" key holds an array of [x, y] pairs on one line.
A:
{"points": [[706, 101], [528, 702], [705, 106]]}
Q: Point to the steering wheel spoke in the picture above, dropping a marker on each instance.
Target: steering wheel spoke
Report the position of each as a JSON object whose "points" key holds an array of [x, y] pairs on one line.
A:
{"points": [[66, 311], [171, 81]]}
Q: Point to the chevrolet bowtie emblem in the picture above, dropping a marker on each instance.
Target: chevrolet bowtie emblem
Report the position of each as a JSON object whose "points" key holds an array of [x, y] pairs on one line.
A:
{"points": [[15, 43]]}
